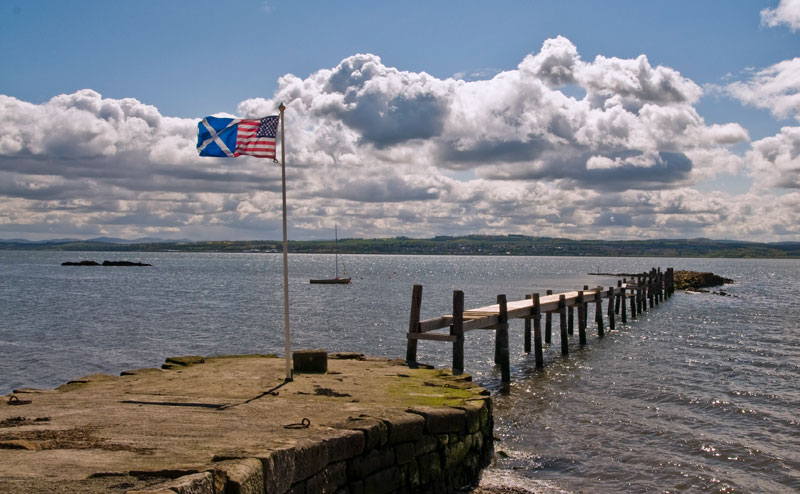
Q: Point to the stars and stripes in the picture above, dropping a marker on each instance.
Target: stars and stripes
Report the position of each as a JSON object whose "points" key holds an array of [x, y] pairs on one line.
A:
{"points": [[257, 137], [232, 137]]}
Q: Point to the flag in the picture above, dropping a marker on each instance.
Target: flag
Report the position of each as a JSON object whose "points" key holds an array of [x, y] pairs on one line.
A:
{"points": [[232, 137]]}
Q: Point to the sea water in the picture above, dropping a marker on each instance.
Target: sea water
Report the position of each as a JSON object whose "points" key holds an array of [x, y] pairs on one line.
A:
{"points": [[700, 394]]}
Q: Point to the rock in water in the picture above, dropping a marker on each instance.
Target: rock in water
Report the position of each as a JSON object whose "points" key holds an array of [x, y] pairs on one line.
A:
{"points": [[693, 280], [105, 263], [124, 263]]}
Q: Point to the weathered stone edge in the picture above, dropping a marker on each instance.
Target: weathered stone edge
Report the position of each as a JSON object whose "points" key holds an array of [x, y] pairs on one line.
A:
{"points": [[359, 452]]}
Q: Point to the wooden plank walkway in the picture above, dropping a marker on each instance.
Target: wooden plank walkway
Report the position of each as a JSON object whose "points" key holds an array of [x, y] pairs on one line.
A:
{"points": [[647, 289]]}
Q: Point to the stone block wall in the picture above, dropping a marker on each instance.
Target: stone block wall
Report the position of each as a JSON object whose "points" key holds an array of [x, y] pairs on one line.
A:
{"points": [[422, 450]]}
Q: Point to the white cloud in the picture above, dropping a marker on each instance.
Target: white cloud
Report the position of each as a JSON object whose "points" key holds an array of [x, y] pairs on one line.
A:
{"points": [[787, 12], [775, 88], [374, 149], [518, 123], [775, 161]]}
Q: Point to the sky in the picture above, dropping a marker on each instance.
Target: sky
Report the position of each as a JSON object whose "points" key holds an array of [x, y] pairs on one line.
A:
{"points": [[619, 119]]}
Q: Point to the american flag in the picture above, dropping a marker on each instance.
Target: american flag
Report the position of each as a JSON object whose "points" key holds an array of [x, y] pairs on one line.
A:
{"points": [[257, 137]]}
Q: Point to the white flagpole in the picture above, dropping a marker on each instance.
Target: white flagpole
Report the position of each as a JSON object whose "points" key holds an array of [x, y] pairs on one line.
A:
{"points": [[287, 335]]}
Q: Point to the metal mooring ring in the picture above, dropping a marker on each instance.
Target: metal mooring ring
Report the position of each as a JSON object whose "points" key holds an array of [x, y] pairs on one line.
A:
{"points": [[304, 424], [14, 400]]}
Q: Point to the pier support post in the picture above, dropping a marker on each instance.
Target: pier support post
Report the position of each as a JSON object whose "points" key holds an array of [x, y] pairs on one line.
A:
{"points": [[659, 287], [537, 331], [413, 323], [598, 311], [585, 307], [651, 288], [457, 330], [643, 293], [562, 312], [581, 318], [502, 339], [571, 320], [624, 302], [528, 329], [611, 298], [548, 324], [618, 297], [640, 306]]}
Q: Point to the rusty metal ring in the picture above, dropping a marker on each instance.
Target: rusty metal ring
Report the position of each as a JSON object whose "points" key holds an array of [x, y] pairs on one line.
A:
{"points": [[304, 424]]}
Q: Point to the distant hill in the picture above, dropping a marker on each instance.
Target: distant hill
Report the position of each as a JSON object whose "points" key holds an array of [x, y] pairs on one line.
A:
{"points": [[481, 245], [102, 240], [144, 240]]}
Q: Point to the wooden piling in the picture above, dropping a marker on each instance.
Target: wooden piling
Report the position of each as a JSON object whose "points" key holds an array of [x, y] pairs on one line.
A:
{"points": [[562, 312], [624, 302], [585, 308], [457, 330], [536, 312], [581, 318], [527, 330], [571, 320], [668, 283], [611, 298], [502, 339], [646, 289], [651, 288], [548, 324], [413, 323], [598, 311], [640, 305]]}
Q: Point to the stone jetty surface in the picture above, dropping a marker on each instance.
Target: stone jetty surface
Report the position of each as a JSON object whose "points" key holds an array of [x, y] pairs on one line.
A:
{"points": [[231, 424]]}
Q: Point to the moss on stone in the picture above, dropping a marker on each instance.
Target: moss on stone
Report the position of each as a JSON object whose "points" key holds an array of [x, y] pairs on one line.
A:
{"points": [[418, 391]]}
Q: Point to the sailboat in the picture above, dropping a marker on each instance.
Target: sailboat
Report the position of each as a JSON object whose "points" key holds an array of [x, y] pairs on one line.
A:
{"points": [[337, 280]]}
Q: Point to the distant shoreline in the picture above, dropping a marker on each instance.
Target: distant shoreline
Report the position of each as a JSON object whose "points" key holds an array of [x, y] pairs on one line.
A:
{"points": [[473, 245]]}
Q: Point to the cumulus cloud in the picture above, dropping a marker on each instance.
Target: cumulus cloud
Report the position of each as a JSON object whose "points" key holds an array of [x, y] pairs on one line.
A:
{"points": [[775, 88], [775, 160], [787, 12], [519, 120], [375, 149]]}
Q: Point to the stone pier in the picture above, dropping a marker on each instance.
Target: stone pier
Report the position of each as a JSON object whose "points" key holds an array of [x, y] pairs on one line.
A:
{"points": [[232, 425]]}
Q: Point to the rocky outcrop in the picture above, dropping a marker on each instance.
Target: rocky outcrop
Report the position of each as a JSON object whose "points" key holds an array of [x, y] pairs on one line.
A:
{"points": [[694, 280], [105, 263]]}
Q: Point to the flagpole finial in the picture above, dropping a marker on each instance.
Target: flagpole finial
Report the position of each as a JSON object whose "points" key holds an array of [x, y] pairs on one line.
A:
{"points": [[281, 107]]}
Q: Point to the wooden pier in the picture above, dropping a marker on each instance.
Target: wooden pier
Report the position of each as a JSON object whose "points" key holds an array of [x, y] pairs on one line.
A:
{"points": [[627, 299]]}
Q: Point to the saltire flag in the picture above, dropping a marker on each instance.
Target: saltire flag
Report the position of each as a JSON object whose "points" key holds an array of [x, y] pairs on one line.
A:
{"points": [[232, 137]]}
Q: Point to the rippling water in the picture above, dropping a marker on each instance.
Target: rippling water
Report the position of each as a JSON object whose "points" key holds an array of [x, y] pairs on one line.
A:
{"points": [[700, 394]]}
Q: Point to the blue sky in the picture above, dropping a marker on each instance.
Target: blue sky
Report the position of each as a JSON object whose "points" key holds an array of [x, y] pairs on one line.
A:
{"points": [[718, 76]]}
